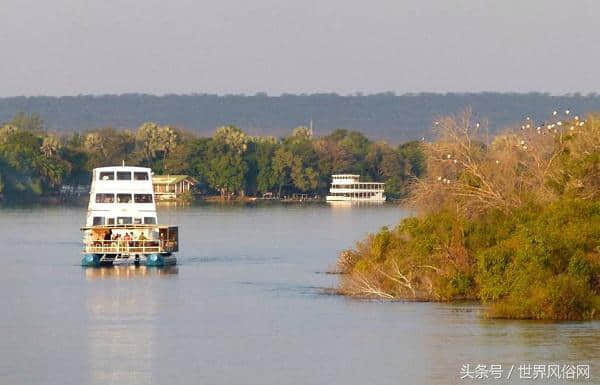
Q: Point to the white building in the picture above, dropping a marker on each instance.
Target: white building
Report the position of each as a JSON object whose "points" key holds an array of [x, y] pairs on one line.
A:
{"points": [[348, 187]]}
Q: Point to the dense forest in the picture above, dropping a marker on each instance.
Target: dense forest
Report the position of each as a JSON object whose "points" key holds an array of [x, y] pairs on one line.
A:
{"points": [[512, 220], [35, 162], [395, 118]]}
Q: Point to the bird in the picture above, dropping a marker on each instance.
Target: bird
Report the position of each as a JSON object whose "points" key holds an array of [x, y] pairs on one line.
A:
{"points": [[567, 112], [439, 178], [448, 156], [554, 112], [477, 124], [559, 123]]}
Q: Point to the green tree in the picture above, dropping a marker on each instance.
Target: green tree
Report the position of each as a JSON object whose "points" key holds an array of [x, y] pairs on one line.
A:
{"points": [[227, 166]]}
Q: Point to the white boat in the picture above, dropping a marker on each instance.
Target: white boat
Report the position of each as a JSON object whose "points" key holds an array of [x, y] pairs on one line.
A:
{"points": [[349, 188], [121, 225]]}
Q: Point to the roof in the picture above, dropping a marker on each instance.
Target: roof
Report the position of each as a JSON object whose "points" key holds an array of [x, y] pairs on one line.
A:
{"points": [[122, 168], [170, 179], [127, 227]]}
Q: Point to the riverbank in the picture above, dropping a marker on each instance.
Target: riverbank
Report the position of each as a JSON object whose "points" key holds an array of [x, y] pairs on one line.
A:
{"points": [[537, 263], [513, 222]]}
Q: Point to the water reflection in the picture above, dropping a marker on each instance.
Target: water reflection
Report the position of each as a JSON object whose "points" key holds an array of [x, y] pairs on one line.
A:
{"points": [[123, 320], [127, 272]]}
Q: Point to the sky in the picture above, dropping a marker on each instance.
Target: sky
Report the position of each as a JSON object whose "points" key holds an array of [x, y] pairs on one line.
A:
{"points": [[72, 47]]}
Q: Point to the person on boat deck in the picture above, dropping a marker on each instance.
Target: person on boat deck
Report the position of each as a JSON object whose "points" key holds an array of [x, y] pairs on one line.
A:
{"points": [[127, 238], [108, 235]]}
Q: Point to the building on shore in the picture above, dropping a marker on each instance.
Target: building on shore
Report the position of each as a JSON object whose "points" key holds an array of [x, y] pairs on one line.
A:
{"points": [[348, 188], [171, 187]]}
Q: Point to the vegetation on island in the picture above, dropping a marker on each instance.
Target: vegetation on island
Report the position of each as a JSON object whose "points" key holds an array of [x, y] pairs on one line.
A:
{"points": [[511, 220], [35, 162]]}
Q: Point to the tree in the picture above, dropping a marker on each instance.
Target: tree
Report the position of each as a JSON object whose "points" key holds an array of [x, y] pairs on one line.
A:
{"points": [[50, 146], [156, 141], [265, 149], [282, 168], [227, 166]]}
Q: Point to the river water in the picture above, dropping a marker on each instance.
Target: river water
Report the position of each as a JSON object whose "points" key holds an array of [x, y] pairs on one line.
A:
{"points": [[246, 305]]}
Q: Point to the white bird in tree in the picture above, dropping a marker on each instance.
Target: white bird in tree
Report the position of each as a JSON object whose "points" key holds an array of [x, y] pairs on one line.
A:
{"points": [[554, 112]]}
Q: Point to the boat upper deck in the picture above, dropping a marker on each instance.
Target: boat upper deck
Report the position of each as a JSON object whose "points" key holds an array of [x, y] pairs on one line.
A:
{"points": [[121, 195]]}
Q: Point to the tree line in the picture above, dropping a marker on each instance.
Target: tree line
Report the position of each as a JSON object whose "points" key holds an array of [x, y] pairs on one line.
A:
{"points": [[387, 116], [36, 162]]}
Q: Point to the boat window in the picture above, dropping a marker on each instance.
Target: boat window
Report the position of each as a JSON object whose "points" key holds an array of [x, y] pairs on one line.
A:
{"points": [[123, 198], [137, 221], [123, 175], [110, 221], [143, 198], [140, 176], [123, 220], [150, 220], [107, 175], [105, 198], [98, 221]]}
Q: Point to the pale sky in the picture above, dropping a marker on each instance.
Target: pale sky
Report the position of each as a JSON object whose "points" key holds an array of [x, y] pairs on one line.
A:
{"points": [[70, 47]]}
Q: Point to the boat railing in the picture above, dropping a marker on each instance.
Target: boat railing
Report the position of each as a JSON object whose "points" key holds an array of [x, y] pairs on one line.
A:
{"points": [[122, 246]]}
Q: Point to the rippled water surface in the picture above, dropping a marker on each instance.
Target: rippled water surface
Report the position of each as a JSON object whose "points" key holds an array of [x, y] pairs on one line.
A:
{"points": [[245, 305]]}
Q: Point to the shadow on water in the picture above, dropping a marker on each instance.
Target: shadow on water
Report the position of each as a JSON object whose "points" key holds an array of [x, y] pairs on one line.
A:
{"points": [[128, 272]]}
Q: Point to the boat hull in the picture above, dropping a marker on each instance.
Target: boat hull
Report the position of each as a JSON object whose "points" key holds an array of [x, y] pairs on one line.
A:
{"points": [[332, 198], [157, 260], [160, 260], [91, 260]]}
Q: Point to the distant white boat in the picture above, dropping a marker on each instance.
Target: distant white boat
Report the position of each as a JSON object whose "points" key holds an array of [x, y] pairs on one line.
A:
{"points": [[348, 188], [121, 225]]}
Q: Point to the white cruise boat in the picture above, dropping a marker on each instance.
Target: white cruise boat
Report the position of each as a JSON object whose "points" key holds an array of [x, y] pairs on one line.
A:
{"points": [[121, 225], [348, 188]]}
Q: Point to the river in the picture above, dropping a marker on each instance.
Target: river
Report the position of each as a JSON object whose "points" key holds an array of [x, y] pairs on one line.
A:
{"points": [[247, 304]]}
